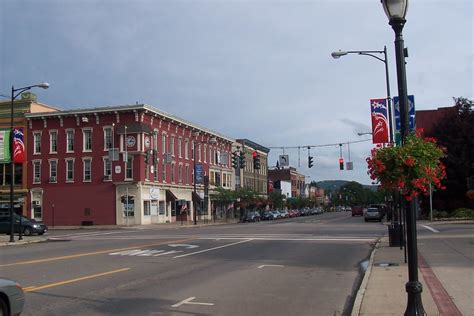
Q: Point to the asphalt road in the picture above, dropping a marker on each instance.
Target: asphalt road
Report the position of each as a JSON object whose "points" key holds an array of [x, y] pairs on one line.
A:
{"points": [[302, 266]]}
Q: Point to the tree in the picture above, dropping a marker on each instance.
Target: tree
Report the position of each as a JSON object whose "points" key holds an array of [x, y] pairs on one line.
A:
{"points": [[277, 200], [455, 133]]}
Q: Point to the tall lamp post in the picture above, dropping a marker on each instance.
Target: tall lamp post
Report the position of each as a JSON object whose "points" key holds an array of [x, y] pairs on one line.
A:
{"points": [[371, 53], [212, 140], [14, 95], [396, 12]]}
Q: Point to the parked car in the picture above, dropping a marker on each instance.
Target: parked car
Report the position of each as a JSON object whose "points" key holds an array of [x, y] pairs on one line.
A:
{"points": [[12, 298], [284, 214], [252, 217], [28, 226], [276, 214], [357, 211], [266, 216], [292, 213], [373, 213]]}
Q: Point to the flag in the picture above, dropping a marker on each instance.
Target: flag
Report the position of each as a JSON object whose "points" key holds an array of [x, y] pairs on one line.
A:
{"points": [[19, 155], [379, 113], [4, 145]]}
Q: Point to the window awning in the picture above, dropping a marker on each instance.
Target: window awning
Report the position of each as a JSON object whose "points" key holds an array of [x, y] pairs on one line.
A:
{"points": [[170, 196]]}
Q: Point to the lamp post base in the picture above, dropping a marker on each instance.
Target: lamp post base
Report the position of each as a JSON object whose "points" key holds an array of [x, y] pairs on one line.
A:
{"points": [[414, 304]]}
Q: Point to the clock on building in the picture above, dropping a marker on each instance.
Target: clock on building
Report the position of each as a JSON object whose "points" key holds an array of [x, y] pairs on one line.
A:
{"points": [[130, 141]]}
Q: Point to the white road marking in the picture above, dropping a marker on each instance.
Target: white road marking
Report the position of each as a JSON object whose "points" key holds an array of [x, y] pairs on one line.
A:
{"points": [[295, 239], [431, 229], [183, 245], [270, 265], [210, 249], [188, 301]]}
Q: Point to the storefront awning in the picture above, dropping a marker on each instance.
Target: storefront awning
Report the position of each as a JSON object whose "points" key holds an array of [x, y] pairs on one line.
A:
{"points": [[196, 198], [170, 196]]}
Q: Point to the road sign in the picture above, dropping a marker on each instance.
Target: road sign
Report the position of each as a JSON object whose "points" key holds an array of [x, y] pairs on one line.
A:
{"points": [[284, 160], [349, 165]]}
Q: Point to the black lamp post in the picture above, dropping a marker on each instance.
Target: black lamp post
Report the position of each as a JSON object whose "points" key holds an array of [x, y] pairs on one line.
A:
{"points": [[14, 95], [211, 141], [371, 53], [396, 12]]}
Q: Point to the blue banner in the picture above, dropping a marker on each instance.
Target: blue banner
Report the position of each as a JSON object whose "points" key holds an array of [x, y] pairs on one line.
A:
{"points": [[199, 174], [411, 112]]}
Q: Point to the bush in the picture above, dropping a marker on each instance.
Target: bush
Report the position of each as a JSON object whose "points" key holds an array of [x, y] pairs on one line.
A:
{"points": [[440, 214], [463, 213]]}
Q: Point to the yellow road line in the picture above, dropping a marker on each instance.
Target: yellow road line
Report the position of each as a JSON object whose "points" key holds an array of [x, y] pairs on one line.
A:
{"points": [[89, 253], [37, 288]]}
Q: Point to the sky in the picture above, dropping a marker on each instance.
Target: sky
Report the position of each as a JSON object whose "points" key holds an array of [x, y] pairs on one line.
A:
{"points": [[255, 69]]}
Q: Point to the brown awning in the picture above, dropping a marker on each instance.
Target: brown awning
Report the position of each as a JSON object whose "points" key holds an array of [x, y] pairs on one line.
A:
{"points": [[196, 197], [170, 196]]}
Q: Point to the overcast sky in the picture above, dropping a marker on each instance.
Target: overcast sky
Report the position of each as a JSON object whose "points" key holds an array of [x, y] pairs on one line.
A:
{"points": [[252, 69]]}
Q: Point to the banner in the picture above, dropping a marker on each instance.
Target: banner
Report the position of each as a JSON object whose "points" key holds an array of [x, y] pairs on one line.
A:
{"points": [[380, 127], [19, 155], [411, 116], [4, 145]]}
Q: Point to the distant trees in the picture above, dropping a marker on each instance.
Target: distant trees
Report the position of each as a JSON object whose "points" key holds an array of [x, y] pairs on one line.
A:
{"points": [[455, 133]]}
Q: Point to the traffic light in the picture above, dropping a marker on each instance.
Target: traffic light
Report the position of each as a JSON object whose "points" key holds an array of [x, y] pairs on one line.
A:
{"points": [[235, 160], [242, 160], [256, 160], [310, 161], [341, 163]]}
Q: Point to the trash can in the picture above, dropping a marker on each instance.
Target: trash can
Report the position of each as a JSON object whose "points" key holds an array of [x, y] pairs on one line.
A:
{"points": [[395, 235]]}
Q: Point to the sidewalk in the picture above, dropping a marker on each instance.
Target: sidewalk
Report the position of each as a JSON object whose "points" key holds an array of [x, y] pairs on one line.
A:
{"points": [[382, 291]]}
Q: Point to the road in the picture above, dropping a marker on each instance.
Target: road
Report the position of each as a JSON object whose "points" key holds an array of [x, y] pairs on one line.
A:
{"points": [[302, 266]]}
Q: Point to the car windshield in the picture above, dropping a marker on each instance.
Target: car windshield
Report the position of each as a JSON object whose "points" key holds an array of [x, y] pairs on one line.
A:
{"points": [[372, 210]]}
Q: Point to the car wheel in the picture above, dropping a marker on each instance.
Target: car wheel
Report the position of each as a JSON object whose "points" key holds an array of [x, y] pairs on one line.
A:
{"points": [[42, 233], [27, 231], [3, 307]]}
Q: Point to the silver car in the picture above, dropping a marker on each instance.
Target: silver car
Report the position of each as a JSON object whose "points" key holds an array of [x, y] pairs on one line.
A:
{"points": [[373, 213], [12, 298]]}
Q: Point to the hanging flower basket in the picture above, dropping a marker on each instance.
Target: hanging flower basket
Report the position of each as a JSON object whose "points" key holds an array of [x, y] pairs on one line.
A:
{"points": [[409, 168]]}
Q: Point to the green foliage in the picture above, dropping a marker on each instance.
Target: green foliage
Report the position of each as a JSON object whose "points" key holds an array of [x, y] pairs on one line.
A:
{"points": [[277, 200], [222, 196], [463, 213]]}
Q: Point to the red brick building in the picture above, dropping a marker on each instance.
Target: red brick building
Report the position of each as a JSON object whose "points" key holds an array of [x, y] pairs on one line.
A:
{"points": [[83, 164]]}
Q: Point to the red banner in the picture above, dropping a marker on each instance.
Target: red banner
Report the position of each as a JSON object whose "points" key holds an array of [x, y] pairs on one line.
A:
{"points": [[19, 155], [379, 113]]}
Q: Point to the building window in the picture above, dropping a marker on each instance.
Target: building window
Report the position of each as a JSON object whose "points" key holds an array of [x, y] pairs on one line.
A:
{"points": [[205, 153], [69, 170], [172, 145], [70, 141], [199, 152], [193, 144], [18, 174], [129, 168], [107, 169], [37, 171], [108, 133], [53, 142], [37, 141], [53, 171], [172, 172], [87, 163], [180, 151], [186, 175], [186, 149], [218, 179], [163, 171], [163, 143], [180, 174], [146, 208], [87, 140]]}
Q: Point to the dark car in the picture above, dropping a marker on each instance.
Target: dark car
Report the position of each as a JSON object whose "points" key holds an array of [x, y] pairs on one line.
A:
{"points": [[266, 216], [357, 210], [252, 217], [28, 226]]}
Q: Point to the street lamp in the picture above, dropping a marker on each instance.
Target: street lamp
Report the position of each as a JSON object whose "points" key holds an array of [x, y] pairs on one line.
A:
{"points": [[338, 54], [14, 95], [212, 140], [364, 133], [396, 12]]}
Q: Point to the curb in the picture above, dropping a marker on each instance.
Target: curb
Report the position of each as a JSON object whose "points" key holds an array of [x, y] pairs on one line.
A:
{"points": [[365, 280], [18, 243]]}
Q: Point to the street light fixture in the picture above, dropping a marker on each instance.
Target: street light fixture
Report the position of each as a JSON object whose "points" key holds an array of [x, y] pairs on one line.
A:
{"points": [[212, 140], [364, 133], [14, 95], [396, 11], [370, 53]]}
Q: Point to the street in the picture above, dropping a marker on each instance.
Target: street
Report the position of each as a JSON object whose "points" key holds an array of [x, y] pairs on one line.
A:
{"points": [[301, 266]]}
